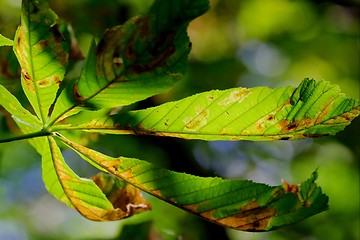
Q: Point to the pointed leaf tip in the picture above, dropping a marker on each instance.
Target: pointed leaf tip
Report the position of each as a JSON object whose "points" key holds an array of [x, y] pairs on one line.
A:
{"points": [[313, 109], [42, 53], [238, 204], [143, 57]]}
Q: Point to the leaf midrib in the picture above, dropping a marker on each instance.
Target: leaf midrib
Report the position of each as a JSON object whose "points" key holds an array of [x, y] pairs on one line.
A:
{"points": [[28, 22]]}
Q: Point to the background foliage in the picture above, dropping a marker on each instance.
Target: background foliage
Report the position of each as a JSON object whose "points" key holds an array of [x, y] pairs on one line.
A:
{"points": [[238, 43]]}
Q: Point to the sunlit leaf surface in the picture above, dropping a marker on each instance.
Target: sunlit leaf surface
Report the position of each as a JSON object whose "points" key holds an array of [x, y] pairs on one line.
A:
{"points": [[28, 123], [311, 110], [42, 53], [18, 112], [103, 200], [5, 41], [238, 204], [145, 56]]}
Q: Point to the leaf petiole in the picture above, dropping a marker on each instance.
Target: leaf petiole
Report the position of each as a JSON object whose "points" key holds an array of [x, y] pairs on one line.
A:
{"points": [[26, 136]]}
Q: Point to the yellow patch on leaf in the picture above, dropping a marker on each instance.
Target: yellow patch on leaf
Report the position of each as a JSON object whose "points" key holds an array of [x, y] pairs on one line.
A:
{"points": [[236, 96], [126, 199], [293, 188], [252, 217], [194, 123]]}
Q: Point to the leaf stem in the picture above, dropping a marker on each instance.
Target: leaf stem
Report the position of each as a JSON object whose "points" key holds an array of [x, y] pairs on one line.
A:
{"points": [[26, 136]]}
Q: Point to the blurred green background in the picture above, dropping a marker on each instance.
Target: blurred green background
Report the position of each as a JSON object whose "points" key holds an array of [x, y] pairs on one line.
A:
{"points": [[237, 43]]}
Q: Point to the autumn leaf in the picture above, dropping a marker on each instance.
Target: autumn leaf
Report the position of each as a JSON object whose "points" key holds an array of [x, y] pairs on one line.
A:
{"points": [[145, 56], [312, 109], [99, 199], [238, 204], [42, 53]]}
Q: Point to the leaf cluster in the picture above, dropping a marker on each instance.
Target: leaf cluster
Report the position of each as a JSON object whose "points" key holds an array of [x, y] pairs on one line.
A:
{"points": [[146, 56]]}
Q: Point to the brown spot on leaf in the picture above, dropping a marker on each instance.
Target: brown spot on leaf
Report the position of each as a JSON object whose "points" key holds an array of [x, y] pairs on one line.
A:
{"points": [[194, 123], [293, 188], [63, 58], [43, 44], [210, 97], [57, 43], [28, 80], [283, 123], [159, 49], [112, 166], [101, 46], [118, 61], [291, 126], [343, 118], [130, 52], [143, 27], [347, 116], [270, 117], [142, 30], [78, 97], [163, 39], [138, 46], [249, 206], [57, 79], [260, 126], [56, 33], [126, 197], [326, 108], [302, 123], [44, 82], [235, 96], [252, 218], [156, 62], [19, 39]]}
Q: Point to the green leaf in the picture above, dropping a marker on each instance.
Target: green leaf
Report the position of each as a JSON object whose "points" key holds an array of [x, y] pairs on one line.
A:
{"points": [[52, 166], [311, 110], [83, 194], [238, 204], [18, 112], [145, 56], [28, 123], [5, 41], [42, 53]]}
